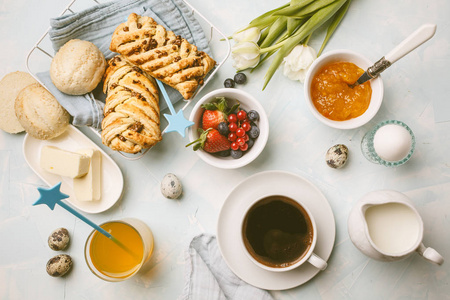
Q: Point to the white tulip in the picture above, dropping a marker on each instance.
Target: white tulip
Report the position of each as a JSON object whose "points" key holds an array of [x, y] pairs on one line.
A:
{"points": [[249, 35], [297, 63], [245, 55]]}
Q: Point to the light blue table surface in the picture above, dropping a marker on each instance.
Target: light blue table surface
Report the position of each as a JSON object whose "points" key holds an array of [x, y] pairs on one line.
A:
{"points": [[297, 143]]}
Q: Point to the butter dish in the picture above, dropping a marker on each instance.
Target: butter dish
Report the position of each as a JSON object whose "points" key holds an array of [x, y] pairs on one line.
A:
{"points": [[74, 140]]}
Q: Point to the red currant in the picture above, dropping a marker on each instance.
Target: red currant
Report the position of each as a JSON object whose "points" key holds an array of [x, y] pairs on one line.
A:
{"points": [[244, 147], [234, 146], [233, 127], [240, 141], [232, 136], [232, 118], [240, 132], [246, 126], [241, 115], [246, 138]]}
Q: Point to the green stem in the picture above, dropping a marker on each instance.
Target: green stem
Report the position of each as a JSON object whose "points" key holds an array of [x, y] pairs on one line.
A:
{"points": [[307, 40], [316, 20], [274, 31], [264, 20], [292, 9], [334, 24]]}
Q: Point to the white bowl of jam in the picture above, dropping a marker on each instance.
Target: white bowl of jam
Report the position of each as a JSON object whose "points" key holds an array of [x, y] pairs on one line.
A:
{"points": [[330, 98]]}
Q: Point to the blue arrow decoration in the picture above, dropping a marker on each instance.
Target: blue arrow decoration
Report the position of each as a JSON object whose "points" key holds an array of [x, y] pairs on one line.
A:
{"points": [[177, 121], [53, 196]]}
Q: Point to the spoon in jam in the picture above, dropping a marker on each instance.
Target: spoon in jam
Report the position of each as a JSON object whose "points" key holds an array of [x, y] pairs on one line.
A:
{"points": [[417, 38]]}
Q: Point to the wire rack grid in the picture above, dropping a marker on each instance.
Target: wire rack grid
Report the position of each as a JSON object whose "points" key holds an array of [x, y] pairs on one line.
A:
{"points": [[212, 32]]}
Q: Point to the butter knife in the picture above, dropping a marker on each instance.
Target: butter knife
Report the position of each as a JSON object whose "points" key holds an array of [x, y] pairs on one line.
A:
{"points": [[417, 38]]}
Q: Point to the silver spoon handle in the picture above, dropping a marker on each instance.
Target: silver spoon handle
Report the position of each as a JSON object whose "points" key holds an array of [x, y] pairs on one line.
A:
{"points": [[417, 38]]}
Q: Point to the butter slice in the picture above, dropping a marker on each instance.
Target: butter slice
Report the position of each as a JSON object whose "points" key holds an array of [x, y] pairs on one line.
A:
{"points": [[88, 188], [64, 163]]}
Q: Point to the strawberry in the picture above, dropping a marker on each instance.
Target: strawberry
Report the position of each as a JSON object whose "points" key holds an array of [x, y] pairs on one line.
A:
{"points": [[211, 141], [212, 118], [215, 113]]}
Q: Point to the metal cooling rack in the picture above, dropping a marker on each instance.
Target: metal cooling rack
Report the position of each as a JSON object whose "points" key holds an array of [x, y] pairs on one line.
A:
{"points": [[43, 47]]}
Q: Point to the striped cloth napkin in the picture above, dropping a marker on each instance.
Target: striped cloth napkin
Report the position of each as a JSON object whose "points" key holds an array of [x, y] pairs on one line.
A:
{"points": [[209, 277], [97, 25]]}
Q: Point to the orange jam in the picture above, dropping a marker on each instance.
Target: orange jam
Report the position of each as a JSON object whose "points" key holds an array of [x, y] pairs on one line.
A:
{"points": [[332, 96]]}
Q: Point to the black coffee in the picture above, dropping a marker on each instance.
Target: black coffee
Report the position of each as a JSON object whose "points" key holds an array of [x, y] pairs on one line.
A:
{"points": [[277, 231]]}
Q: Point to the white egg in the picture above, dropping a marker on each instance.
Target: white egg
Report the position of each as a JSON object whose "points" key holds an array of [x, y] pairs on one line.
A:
{"points": [[392, 142]]}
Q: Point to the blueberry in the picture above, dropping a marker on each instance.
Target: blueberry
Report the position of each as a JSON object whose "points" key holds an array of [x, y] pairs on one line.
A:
{"points": [[236, 153], [224, 153], [253, 115], [223, 128], [250, 143], [254, 132], [228, 83], [240, 78]]}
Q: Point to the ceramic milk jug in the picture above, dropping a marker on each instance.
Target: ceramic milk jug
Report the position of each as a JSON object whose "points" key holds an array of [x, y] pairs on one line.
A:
{"points": [[384, 225]]}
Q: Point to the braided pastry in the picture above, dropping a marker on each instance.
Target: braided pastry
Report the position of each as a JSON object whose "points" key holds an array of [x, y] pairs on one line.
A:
{"points": [[161, 54], [131, 111]]}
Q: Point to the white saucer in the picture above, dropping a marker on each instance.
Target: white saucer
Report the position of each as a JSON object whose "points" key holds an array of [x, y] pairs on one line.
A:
{"points": [[73, 140], [229, 231]]}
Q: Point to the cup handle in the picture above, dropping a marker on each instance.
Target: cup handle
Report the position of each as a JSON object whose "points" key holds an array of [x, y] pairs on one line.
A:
{"points": [[317, 262], [430, 254]]}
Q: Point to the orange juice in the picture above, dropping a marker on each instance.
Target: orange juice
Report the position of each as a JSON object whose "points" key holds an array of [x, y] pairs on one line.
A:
{"points": [[112, 260]]}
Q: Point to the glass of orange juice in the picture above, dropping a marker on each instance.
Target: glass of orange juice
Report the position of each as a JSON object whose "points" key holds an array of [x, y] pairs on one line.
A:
{"points": [[113, 261]]}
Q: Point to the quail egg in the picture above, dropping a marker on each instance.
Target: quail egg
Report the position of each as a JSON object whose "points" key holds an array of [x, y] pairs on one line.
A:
{"points": [[171, 186], [59, 239], [59, 265], [336, 156]]}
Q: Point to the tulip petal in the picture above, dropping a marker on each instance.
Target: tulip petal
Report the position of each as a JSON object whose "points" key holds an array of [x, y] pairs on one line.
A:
{"points": [[249, 35]]}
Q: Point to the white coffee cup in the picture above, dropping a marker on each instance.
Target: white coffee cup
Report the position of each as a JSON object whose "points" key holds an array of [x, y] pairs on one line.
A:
{"points": [[280, 212]]}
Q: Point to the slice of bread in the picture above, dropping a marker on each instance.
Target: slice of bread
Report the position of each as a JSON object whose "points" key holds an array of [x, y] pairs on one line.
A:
{"points": [[10, 86]]}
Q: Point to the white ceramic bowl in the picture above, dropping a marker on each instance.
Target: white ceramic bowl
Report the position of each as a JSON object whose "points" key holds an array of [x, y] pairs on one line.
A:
{"points": [[247, 102], [363, 63]]}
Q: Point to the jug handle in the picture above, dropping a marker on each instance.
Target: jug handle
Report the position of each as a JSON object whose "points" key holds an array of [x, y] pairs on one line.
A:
{"points": [[430, 254]]}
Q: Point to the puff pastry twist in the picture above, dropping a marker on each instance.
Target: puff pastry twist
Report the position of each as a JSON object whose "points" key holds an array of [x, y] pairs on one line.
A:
{"points": [[161, 54], [132, 120]]}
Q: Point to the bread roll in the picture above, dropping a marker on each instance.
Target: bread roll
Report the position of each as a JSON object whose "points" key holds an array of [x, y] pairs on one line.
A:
{"points": [[10, 86], [77, 67], [40, 113]]}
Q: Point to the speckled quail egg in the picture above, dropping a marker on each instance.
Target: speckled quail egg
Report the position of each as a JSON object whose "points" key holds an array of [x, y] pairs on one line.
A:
{"points": [[59, 265], [171, 186], [336, 156], [59, 239]]}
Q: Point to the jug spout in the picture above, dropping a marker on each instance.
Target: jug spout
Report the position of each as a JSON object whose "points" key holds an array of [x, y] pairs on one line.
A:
{"points": [[358, 228]]}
